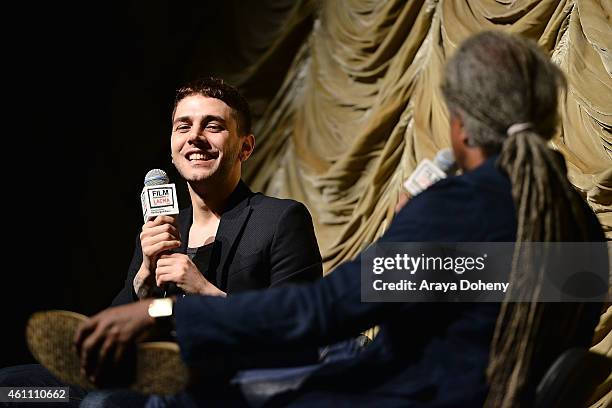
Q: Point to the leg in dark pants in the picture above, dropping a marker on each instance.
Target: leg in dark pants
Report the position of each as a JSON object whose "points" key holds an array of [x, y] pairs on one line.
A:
{"points": [[35, 375]]}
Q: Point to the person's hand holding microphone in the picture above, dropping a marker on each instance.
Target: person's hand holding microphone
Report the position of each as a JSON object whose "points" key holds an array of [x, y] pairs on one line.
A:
{"points": [[175, 273], [160, 233], [427, 173]]}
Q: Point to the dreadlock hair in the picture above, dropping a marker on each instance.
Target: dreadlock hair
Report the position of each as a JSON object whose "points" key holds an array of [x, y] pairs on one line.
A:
{"points": [[506, 90]]}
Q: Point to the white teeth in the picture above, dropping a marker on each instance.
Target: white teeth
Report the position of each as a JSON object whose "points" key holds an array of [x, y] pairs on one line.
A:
{"points": [[198, 156]]}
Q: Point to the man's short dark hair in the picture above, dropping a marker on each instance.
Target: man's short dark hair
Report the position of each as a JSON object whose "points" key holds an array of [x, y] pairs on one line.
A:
{"points": [[212, 87]]}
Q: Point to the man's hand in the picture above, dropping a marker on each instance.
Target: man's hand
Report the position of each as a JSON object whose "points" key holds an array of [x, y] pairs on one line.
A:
{"points": [[103, 339], [157, 236], [178, 268], [403, 199]]}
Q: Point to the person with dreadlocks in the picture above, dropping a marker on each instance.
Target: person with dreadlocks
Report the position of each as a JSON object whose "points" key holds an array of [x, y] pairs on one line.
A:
{"points": [[502, 94]]}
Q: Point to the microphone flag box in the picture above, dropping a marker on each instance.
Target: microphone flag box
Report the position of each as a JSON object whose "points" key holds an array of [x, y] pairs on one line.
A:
{"points": [[426, 174], [158, 200]]}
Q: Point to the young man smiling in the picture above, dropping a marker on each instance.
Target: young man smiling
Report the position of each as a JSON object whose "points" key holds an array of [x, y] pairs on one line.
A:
{"points": [[513, 189], [230, 239]]}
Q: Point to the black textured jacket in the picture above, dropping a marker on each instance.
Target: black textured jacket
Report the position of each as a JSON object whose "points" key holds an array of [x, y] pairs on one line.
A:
{"points": [[261, 242]]}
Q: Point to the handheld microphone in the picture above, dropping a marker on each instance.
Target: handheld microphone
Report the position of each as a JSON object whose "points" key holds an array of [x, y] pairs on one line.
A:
{"points": [[428, 172], [158, 197]]}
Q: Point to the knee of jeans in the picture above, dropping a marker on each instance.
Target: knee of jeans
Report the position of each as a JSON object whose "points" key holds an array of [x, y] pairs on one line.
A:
{"points": [[97, 399], [116, 398], [4, 376], [28, 375], [15, 375]]}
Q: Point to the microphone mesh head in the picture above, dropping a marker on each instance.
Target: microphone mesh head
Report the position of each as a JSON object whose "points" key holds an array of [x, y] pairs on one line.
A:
{"points": [[156, 177], [445, 160]]}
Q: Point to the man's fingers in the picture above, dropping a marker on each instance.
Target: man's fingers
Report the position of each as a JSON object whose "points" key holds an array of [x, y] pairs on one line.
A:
{"points": [[165, 277], [165, 219], [158, 229], [82, 332], [118, 354], [160, 247], [89, 350], [161, 224], [162, 237], [161, 275], [160, 280], [168, 259], [107, 349], [161, 233], [104, 361], [159, 220], [166, 245]]}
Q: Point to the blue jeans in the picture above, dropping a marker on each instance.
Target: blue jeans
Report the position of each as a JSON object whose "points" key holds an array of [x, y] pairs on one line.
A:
{"points": [[35, 375], [252, 388]]}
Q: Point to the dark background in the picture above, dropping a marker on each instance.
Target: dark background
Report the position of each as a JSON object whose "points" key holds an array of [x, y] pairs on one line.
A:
{"points": [[93, 88]]}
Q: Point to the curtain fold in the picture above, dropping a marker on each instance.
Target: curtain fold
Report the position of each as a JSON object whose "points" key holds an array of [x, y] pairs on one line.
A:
{"points": [[358, 104]]}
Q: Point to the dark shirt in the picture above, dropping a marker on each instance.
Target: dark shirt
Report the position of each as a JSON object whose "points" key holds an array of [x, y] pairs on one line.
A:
{"points": [[200, 256]]}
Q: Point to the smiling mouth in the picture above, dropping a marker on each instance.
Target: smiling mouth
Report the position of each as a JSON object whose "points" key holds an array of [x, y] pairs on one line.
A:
{"points": [[205, 156]]}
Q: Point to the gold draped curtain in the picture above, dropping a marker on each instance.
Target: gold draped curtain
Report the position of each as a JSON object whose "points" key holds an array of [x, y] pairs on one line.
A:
{"points": [[347, 101], [346, 98]]}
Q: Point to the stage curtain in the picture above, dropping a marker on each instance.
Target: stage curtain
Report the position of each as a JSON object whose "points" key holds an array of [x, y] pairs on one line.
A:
{"points": [[347, 100]]}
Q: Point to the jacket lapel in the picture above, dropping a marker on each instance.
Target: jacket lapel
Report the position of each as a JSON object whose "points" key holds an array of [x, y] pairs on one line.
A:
{"points": [[185, 219], [233, 221]]}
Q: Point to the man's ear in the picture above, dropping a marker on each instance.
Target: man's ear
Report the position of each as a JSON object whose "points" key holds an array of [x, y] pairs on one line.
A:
{"points": [[248, 144], [457, 129]]}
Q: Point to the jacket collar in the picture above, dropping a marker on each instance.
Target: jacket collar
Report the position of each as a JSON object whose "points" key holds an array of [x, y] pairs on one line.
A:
{"points": [[231, 225], [488, 175]]}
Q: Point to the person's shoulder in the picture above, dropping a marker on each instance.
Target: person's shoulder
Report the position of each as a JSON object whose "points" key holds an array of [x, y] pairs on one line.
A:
{"points": [[265, 201], [487, 178], [447, 188], [480, 188], [277, 208]]}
